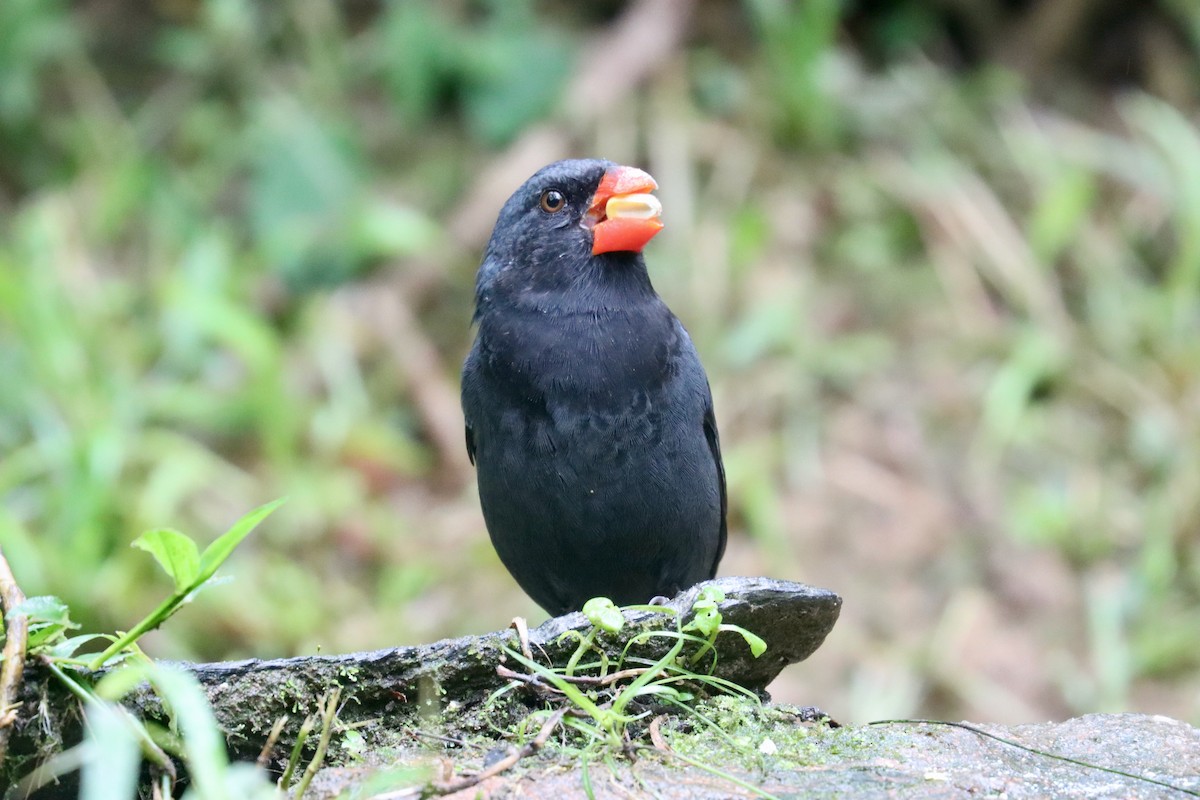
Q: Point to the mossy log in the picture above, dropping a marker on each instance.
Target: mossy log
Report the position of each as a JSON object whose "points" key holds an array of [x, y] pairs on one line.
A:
{"points": [[386, 691]]}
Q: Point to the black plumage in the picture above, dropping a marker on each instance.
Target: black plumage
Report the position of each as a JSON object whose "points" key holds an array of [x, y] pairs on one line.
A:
{"points": [[588, 414]]}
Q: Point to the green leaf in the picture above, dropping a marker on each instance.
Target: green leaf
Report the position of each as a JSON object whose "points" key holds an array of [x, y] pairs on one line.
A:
{"points": [[212, 558], [756, 643], [48, 618], [117, 683], [114, 756], [68, 647], [665, 692], [40, 635], [604, 614], [191, 715], [43, 609], [176, 553], [215, 554], [354, 744], [707, 619], [203, 742]]}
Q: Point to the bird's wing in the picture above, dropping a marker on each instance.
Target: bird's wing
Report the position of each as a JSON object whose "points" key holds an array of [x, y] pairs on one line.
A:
{"points": [[714, 446], [471, 453]]}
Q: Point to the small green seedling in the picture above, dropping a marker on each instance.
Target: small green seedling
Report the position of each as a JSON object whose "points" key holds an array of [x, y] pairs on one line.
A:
{"points": [[111, 754], [610, 718], [191, 570]]}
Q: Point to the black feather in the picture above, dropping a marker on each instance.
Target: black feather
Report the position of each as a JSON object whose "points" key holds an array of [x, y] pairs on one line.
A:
{"points": [[589, 416]]}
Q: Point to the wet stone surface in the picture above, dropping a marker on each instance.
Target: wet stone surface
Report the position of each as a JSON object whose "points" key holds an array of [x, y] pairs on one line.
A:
{"points": [[776, 755]]}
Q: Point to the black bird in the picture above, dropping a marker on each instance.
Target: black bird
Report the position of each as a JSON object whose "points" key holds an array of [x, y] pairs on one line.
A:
{"points": [[589, 416]]}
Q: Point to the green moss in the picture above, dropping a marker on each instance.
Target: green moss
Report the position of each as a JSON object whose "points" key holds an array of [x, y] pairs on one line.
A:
{"points": [[733, 731]]}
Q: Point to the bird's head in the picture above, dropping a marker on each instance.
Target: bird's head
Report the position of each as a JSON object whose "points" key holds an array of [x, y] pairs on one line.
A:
{"points": [[573, 224]]}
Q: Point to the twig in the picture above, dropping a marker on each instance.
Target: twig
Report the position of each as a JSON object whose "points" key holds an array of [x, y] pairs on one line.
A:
{"points": [[16, 633], [530, 680], [609, 679], [656, 736], [522, 627], [579, 680], [264, 755], [505, 763]]}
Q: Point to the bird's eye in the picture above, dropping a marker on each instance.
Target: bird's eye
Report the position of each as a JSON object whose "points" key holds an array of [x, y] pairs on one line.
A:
{"points": [[553, 201]]}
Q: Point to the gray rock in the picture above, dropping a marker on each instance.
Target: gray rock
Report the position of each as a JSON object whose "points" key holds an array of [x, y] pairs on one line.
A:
{"points": [[884, 761]]}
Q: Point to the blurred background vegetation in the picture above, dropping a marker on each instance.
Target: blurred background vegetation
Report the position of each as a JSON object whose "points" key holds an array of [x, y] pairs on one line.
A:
{"points": [[942, 260]]}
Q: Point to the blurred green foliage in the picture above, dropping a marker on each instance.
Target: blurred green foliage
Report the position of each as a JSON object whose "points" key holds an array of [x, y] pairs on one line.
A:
{"points": [[950, 309]]}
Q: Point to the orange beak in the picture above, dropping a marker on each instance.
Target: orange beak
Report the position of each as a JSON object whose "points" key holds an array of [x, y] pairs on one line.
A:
{"points": [[623, 213]]}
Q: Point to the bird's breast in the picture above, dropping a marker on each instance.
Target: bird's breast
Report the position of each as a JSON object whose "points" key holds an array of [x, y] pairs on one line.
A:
{"points": [[580, 362]]}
